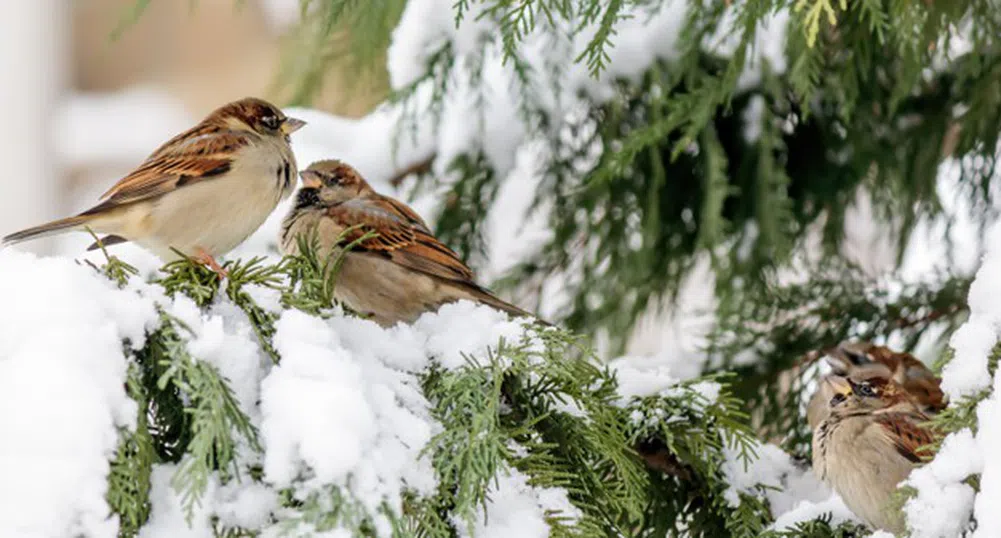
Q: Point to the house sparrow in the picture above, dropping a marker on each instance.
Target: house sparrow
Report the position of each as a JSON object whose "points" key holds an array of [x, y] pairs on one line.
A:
{"points": [[862, 359], [396, 275], [868, 444], [201, 193]]}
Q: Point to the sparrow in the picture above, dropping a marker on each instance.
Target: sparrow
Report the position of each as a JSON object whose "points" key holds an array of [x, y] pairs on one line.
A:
{"points": [[870, 441], [201, 193], [862, 359], [398, 273]]}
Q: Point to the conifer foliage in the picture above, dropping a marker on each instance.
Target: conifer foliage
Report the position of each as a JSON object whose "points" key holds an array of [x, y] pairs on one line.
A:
{"points": [[660, 138], [539, 409]]}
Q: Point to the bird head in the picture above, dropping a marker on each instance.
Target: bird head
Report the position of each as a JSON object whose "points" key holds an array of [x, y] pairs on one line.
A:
{"points": [[865, 393], [257, 116], [332, 182]]}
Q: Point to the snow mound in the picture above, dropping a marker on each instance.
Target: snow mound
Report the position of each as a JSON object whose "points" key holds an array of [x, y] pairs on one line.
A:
{"points": [[343, 409], [62, 395], [944, 501]]}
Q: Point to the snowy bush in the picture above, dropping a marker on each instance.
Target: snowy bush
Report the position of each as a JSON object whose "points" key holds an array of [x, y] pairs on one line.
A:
{"points": [[179, 407], [803, 171]]}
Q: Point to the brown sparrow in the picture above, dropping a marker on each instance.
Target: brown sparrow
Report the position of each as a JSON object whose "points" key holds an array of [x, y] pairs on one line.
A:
{"points": [[201, 193], [864, 359], [869, 443], [397, 274]]}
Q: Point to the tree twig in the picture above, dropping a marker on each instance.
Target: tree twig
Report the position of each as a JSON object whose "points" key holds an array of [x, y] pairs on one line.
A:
{"points": [[419, 167]]}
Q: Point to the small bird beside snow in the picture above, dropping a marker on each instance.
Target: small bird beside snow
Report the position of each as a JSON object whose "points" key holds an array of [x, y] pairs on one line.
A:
{"points": [[202, 193], [869, 428], [397, 273]]}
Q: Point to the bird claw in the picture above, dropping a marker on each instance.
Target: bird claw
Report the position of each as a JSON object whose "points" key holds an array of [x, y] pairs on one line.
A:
{"points": [[206, 259]]}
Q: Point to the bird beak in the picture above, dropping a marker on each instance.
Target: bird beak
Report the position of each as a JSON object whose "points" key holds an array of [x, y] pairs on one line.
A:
{"points": [[840, 385], [311, 179], [291, 125]]}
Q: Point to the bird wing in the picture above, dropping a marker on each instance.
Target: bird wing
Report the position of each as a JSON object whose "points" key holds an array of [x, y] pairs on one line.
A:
{"points": [[400, 235], [193, 156], [902, 430]]}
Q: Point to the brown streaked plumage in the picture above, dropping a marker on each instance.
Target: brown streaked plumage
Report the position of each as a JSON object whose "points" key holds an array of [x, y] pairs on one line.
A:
{"points": [[397, 274], [870, 441], [865, 359], [202, 192]]}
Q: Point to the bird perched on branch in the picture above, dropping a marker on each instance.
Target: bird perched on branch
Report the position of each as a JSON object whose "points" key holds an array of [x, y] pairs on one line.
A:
{"points": [[871, 439], [202, 193], [867, 359], [396, 269]]}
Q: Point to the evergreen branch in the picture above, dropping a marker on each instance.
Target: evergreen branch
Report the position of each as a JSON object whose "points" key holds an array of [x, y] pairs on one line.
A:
{"points": [[716, 189], [472, 193], [114, 268], [471, 448], [188, 277], [330, 509], [129, 475], [212, 420], [346, 35], [420, 168], [812, 16], [596, 51], [313, 274], [254, 272], [819, 528]]}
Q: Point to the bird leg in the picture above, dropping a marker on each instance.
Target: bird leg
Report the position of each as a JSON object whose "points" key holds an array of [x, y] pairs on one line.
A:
{"points": [[205, 258]]}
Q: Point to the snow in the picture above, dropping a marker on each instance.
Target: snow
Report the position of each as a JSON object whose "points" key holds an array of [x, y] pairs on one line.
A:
{"points": [[638, 378], [61, 334], [809, 510], [967, 372], [943, 503], [517, 509], [167, 517], [464, 328], [753, 116], [343, 409], [96, 128], [988, 440], [224, 338], [331, 412], [772, 471]]}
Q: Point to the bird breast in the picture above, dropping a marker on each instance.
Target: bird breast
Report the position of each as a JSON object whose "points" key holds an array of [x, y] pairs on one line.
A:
{"points": [[862, 465], [219, 213]]}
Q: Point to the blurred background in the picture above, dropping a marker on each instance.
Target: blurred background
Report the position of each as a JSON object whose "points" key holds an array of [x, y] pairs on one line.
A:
{"points": [[93, 88], [94, 97]]}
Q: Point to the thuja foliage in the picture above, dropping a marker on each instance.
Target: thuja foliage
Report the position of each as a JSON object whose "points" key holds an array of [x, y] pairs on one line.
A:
{"points": [[542, 406], [868, 101], [686, 163]]}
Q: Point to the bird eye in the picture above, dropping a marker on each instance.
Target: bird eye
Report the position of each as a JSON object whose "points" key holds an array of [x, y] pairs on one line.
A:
{"points": [[270, 121], [865, 389]]}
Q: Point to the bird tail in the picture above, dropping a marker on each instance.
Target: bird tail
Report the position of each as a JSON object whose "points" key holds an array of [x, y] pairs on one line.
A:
{"points": [[45, 230], [490, 299]]}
